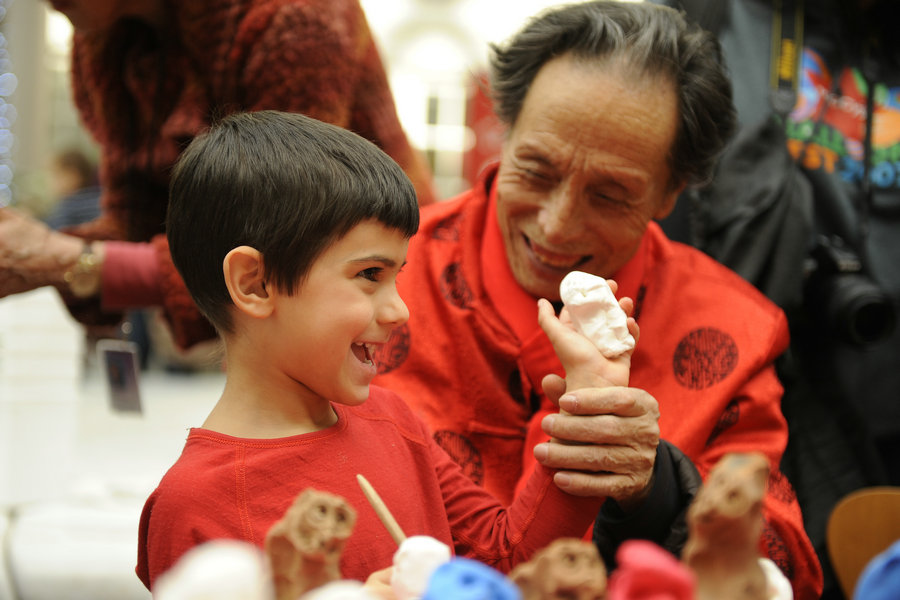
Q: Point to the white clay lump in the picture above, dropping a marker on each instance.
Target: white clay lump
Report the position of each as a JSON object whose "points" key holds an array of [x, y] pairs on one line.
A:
{"points": [[596, 313], [414, 562]]}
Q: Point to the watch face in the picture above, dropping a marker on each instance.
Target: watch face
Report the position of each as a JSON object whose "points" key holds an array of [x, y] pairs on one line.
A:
{"points": [[84, 277], [84, 284]]}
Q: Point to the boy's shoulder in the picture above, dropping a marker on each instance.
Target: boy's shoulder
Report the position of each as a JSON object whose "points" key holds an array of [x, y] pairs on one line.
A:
{"points": [[385, 405], [199, 462]]}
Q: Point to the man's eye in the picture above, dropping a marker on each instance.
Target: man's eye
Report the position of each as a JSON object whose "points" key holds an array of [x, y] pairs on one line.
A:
{"points": [[600, 198], [538, 176], [371, 273]]}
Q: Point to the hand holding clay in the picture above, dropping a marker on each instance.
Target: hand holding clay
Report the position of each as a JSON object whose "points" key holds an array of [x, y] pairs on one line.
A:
{"points": [[596, 313], [607, 329], [609, 431]]}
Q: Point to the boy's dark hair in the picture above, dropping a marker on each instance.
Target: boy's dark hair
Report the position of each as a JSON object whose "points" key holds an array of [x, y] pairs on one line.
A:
{"points": [[651, 39], [283, 183]]}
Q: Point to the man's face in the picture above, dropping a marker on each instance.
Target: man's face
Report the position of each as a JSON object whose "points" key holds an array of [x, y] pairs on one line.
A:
{"points": [[584, 169]]}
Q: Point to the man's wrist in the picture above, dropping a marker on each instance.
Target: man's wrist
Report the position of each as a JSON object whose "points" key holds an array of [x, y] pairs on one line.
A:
{"points": [[83, 278]]}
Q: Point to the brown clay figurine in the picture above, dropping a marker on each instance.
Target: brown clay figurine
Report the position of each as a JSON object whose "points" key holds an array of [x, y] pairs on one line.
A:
{"points": [[724, 526], [304, 547], [569, 569]]}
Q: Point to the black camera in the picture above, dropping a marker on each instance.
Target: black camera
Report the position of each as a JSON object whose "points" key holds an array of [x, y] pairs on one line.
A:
{"points": [[844, 299]]}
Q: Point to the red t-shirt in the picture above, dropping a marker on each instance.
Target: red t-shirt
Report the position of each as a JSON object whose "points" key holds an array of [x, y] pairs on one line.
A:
{"points": [[226, 487]]}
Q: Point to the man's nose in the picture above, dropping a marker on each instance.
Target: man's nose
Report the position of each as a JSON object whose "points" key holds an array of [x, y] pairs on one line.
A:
{"points": [[559, 216]]}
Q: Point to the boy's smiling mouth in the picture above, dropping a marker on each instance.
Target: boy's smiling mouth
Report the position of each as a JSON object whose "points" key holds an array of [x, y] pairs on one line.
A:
{"points": [[362, 352]]}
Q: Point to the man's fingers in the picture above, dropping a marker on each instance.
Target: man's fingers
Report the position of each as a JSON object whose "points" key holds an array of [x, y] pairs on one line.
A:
{"points": [[621, 401], [600, 459], [610, 485], [601, 430], [621, 472]]}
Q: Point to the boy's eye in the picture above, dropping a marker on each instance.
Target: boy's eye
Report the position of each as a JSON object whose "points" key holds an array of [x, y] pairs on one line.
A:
{"points": [[371, 273]]}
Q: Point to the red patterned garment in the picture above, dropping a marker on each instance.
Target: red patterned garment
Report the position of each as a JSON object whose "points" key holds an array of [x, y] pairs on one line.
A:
{"points": [[144, 96], [471, 358]]}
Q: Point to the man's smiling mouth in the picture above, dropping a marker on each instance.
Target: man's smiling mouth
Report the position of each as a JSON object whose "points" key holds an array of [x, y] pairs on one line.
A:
{"points": [[555, 260]]}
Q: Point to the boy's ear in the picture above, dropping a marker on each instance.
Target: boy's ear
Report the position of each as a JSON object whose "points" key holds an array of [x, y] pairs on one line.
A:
{"points": [[245, 280]]}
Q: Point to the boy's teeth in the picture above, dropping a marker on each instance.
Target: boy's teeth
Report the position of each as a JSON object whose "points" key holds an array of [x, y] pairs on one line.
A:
{"points": [[366, 352]]}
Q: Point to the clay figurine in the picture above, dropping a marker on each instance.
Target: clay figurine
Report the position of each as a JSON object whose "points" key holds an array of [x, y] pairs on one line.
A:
{"points": [[305, 546], [567, 569], [724, 526]]}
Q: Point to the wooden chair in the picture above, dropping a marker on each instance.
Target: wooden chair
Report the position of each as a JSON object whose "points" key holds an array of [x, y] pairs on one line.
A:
{"points": [[861, 526]]}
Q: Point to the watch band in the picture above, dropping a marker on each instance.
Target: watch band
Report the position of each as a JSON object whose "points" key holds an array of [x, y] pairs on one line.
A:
{"points": [[83, 278]]}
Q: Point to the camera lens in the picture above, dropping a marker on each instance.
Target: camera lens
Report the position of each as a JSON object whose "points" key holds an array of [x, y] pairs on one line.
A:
{"points": [[858, 310]]}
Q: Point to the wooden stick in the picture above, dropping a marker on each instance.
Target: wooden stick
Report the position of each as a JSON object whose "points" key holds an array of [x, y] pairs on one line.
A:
{"points": [[381, 510]]}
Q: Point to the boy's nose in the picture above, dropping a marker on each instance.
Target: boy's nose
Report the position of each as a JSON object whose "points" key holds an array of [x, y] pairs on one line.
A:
{"points": [[394, 310]]}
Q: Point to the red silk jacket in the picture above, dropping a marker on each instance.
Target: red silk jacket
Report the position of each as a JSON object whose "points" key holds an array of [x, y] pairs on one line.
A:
{"points": [[471, 358]]}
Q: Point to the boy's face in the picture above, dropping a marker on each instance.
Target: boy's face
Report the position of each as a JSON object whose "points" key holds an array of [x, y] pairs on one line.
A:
{"points": [[327, 332]]}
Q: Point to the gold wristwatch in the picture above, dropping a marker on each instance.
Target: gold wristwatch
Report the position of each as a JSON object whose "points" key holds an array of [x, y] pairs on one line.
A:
{"points": [[83, 277]]}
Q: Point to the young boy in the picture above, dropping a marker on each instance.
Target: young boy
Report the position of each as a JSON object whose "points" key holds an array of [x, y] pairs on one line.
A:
{"points": [[290, 234]]}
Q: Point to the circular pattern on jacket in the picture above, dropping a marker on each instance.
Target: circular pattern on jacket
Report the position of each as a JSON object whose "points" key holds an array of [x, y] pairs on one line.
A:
{"points": [[395, 352], [704, 357], [447, 229], [463, 452], [454, 286]]}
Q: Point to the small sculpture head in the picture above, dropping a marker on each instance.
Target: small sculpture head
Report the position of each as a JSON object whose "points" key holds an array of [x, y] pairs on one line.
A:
{"points": [[730, 501], [567, 569], [304, 547]]}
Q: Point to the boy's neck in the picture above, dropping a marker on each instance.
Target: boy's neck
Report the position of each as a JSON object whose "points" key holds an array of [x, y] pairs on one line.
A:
{"points": [[260, 405], [243, 421]]}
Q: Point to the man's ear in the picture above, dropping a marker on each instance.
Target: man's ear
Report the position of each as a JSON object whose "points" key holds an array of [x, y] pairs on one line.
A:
{"points": [[245, 280], [668, 201]]}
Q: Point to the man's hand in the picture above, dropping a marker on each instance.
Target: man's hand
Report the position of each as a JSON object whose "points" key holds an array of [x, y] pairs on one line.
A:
{"points": [[31, 254], [610, 437]]}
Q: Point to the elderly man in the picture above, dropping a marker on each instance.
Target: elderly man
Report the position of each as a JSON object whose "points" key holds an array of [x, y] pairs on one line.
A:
{"points": [[611, 109]]}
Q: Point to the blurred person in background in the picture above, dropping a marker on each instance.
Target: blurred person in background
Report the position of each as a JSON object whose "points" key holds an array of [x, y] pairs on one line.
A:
{"points": [[73, 185], [147, 76]]}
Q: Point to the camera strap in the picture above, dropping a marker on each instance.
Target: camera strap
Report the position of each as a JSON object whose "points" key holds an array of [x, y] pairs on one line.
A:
{"points": [[787, 46]]}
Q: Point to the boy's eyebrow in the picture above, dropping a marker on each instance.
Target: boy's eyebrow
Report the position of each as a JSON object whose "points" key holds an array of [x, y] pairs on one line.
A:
{"points": [[386, 261]]}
